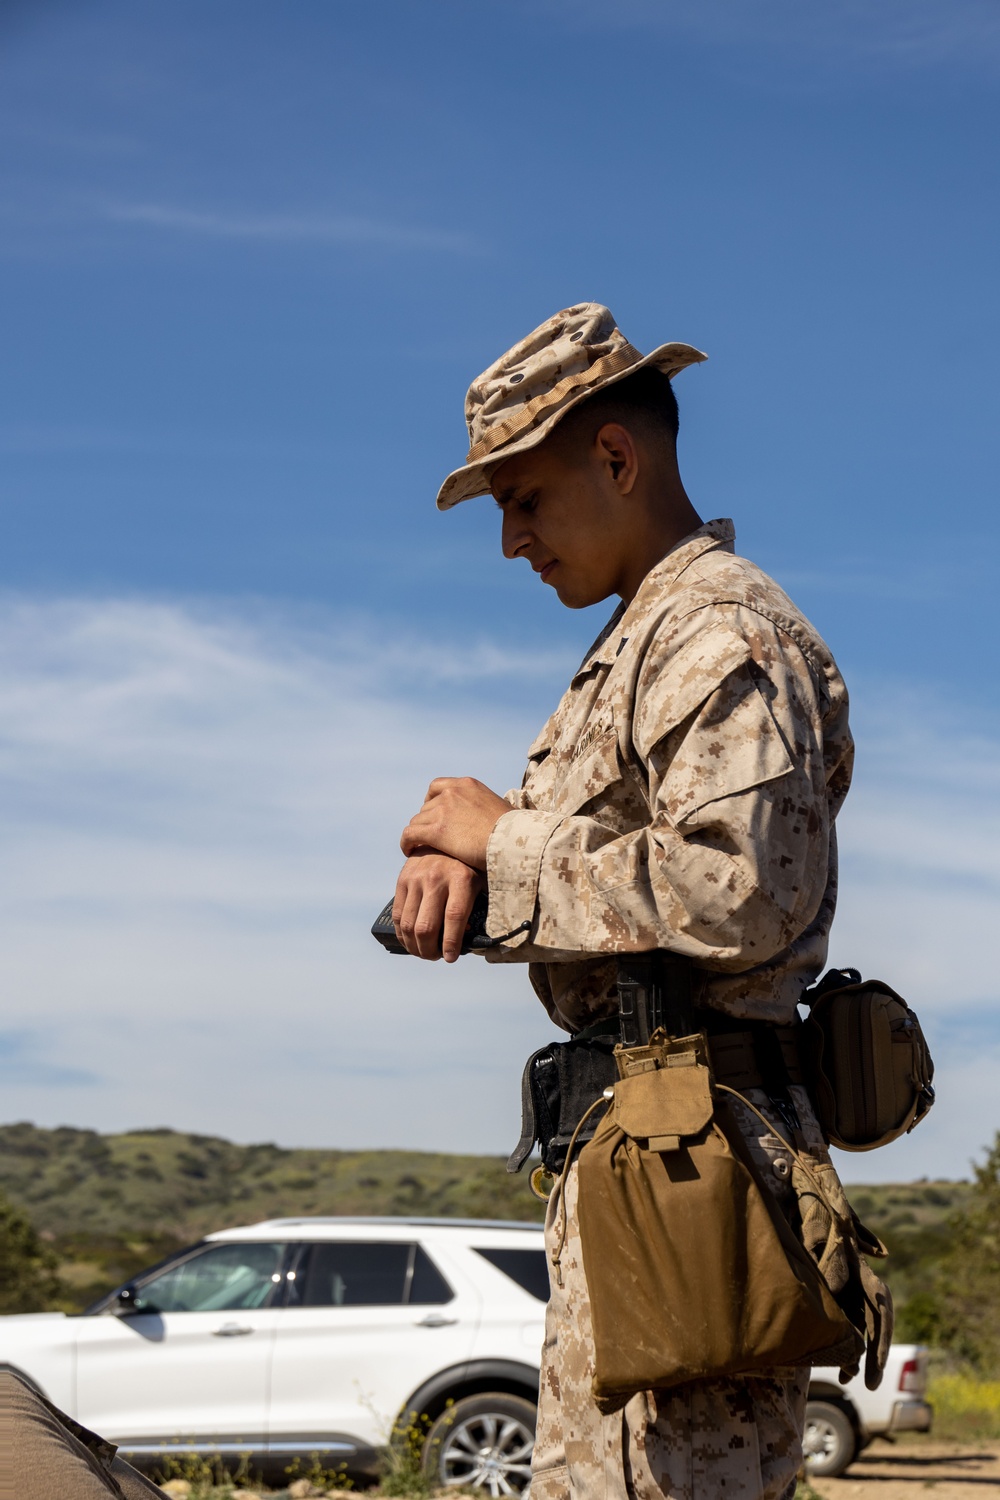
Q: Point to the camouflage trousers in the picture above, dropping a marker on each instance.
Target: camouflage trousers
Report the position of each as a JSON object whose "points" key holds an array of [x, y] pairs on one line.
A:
{"points": [[735, 1439]]}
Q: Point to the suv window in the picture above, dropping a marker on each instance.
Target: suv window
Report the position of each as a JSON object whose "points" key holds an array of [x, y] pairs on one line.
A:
{"points": [[428, 1287], [217, 1279], [527, 1267], [352, 1273], [342, 1274]]}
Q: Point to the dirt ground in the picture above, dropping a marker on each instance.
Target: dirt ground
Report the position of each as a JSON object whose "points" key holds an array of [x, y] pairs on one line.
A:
{"points": [[890, 1471]]}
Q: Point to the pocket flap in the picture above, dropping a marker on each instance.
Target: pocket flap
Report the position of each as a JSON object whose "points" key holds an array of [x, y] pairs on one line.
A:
{"points": [[672, 1101], [690, 676], [589, 773], [542, 743]]}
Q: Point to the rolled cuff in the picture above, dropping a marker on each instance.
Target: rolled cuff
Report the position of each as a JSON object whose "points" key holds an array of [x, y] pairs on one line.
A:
{"points": [[513, 862]]}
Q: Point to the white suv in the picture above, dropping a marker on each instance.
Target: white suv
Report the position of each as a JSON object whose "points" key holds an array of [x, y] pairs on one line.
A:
{"points": [[303, 1336], [319, 1336]]}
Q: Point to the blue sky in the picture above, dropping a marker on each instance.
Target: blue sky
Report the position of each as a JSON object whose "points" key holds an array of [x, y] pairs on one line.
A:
{"points": [[251, 255]]}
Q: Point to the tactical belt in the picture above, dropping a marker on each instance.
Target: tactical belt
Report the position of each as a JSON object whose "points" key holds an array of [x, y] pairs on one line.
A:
{"points": [[745, 1054], [654, 991]]}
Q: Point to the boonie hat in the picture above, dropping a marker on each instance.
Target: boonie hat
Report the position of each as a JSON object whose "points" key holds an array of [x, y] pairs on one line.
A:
{"points": [[515, 404]]}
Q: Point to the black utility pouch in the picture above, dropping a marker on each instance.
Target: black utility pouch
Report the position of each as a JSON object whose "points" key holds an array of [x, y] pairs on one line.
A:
{"points": [[559, 1084]]}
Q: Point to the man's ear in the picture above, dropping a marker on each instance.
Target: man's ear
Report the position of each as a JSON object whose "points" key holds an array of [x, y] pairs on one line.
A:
{"points": [[617, 452]]}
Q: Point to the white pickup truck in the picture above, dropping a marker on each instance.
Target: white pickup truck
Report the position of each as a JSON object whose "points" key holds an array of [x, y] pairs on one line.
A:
{"points": [[843, 1419]]}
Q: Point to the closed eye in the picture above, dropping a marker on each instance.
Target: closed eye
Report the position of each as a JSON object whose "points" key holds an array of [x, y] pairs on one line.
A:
{"points": [[527, 502]]}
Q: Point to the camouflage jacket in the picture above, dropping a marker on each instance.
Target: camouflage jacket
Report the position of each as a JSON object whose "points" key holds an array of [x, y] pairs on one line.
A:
{"points": [[682, 796]]}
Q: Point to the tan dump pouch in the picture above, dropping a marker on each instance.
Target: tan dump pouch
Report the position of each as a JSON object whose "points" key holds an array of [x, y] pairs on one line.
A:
{"points": [[693, 1270], [870, 1066]]}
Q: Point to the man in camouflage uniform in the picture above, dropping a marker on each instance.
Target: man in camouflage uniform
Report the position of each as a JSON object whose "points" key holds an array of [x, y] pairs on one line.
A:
{"points": [[682, 797]]}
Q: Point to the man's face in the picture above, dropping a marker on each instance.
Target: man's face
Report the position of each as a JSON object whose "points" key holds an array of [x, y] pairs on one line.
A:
{"points": [[564, 513]]}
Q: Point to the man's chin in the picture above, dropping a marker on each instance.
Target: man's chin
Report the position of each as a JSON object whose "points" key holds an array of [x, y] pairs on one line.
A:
{"points": [[578, 596]]}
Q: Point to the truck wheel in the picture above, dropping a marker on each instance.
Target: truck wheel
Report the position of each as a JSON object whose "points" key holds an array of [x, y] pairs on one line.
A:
{"points": [[482, 1443], [829, 1441]]}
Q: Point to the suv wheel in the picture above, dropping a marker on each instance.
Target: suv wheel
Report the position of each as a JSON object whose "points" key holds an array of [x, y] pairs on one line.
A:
{"points": [[829, 1441], [482, 1443]]}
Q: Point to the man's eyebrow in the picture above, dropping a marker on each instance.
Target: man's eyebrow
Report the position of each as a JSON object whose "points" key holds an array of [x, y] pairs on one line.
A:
{"points": [[506, 494]]}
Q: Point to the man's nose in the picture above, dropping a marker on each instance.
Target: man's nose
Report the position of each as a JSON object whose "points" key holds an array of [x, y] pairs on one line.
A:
{"points": [[514, 535]]}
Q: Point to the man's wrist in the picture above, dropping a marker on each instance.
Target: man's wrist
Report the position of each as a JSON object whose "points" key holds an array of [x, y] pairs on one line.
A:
{"points": [[513, 861]]}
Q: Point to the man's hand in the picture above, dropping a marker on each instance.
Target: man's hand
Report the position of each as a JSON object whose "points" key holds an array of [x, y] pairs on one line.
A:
{"points": [[434, 892], [457, 818]]}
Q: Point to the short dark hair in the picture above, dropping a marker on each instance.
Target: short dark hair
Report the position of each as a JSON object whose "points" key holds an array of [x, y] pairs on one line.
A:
{"points": [[645, 398]]}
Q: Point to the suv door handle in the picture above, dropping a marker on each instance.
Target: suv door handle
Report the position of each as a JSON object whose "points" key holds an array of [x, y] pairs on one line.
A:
{"points": [[231, 1331], [436, 1320]]}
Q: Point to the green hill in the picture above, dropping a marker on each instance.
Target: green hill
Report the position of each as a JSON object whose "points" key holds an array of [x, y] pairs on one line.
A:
{"points": [[110, 1204], [913, 1219], [169, 1182]]}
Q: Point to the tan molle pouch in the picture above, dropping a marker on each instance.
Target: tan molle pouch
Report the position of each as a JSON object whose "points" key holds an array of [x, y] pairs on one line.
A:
{"points": [[869, 1066], [693, 1270]]}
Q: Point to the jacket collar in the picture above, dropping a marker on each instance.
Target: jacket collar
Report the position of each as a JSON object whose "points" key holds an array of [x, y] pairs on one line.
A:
{"points": [[714, 536]]}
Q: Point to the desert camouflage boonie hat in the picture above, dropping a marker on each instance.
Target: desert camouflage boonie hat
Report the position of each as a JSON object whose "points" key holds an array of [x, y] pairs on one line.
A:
{"points": [[516, 403]]}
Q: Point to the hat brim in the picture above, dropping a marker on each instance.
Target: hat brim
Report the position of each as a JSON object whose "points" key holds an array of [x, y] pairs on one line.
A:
{"points": [[474, 479]]}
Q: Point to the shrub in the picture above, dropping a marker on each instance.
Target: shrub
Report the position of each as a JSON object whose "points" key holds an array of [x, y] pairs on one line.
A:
{"points": [[403, 1473], [965, 1407], [805, 1491], [960, 1311], [28, 1280], [206, 1477]]}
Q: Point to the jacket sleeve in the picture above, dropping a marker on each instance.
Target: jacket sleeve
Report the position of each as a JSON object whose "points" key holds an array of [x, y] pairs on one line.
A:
{"points": [[727, 736]]}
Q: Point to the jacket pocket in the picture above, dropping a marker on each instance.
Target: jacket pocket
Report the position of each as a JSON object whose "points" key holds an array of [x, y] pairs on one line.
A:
{"points": [[707, 721], [590, 772], [683, 683]]}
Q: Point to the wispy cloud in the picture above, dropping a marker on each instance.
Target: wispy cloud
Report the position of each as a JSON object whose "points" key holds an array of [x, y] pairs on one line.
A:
{"points": [[920, 902], [307, 227], [921, 32], [27, 1058], [201, 808], [201, 811], [901, 33]]}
